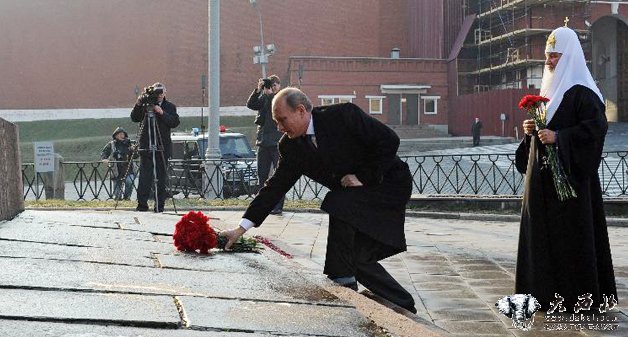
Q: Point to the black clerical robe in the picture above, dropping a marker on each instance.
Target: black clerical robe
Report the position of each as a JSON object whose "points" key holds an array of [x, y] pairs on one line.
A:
{"points": [[563, 246], [348, 142]]}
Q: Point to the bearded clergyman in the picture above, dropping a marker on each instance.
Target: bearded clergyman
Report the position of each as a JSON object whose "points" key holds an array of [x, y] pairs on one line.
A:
{"points": [[564, 251]]}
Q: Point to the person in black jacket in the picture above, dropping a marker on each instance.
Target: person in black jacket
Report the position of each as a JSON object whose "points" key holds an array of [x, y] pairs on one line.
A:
{"points": [[122, 150], [165, 118], [476, 128], [355, 156], [267, 133]]}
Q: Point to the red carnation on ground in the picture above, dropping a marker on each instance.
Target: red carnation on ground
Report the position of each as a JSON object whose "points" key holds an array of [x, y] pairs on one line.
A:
{"points": [[193, 233]]}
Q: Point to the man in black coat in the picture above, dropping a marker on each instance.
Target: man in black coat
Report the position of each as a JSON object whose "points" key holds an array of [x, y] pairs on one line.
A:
{"points": [[354, 155], [166, 117], [476, 128], [267, 133], [122, 150]]}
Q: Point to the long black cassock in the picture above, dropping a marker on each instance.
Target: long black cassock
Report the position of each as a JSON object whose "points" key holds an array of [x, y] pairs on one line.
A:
{"points": [[563, 246]]}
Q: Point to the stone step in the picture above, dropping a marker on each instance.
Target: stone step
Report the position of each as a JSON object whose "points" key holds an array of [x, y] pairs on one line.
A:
{"points": [[407, 146], [417, 131]]}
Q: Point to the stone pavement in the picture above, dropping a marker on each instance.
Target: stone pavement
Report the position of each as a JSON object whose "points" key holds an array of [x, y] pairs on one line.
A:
{"points": [[115, 273], [455, 269]]}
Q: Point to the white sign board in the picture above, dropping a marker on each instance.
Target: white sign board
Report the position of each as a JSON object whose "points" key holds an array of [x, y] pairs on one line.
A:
{"points": [[44, 156]]}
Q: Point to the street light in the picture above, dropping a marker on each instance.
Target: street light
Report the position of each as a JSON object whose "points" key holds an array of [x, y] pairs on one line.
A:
{"points": [[261, 52]]}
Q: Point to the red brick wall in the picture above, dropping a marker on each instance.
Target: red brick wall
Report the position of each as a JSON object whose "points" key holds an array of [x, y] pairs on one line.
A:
{"points": [[600, 10], [356, 76], [92, 53], [488, 106]]}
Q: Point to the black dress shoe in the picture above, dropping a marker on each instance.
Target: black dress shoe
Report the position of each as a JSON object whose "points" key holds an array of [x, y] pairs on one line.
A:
{"points": [[276, 212], [142, 208], [352, 285]]}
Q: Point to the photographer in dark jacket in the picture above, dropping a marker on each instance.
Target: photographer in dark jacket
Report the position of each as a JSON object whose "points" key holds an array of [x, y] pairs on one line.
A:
{"points": [[154, 99], [267, 134], [122, 150]]}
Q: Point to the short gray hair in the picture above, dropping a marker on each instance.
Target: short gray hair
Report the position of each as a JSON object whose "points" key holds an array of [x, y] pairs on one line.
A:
{"points": [[294, 97]]}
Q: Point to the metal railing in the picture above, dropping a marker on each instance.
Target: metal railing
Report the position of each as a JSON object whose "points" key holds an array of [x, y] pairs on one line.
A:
{"points": [[473, 174]]}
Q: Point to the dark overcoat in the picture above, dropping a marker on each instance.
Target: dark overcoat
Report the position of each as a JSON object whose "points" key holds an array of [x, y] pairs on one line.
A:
{"points": [[349, 142], [564, 246], [165, 122]]}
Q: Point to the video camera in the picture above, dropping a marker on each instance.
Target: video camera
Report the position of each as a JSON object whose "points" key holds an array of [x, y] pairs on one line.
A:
{"points": [[150, 95], [268, 83]]}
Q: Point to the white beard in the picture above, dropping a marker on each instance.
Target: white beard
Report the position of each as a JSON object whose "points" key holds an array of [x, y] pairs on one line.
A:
{"points": [[546, 82]]}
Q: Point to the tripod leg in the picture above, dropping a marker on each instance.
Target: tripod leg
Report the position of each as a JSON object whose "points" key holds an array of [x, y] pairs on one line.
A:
{"points": [[165, 175], [152, 127]]}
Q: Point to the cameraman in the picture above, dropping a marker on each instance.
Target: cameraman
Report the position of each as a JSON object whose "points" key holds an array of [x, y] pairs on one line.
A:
{"points": [[267, 133], [154, 99], [122, 151]]}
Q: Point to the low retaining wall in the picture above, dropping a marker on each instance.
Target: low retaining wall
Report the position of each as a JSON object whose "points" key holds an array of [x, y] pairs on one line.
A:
{"points": [[615, 208], [11, 193]]}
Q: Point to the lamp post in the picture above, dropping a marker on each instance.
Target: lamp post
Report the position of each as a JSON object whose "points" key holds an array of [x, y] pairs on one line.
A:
{"points": [[261, 52]]}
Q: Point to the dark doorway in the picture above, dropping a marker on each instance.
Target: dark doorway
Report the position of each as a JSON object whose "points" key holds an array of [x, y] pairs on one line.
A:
{"points": [[412, 104], [394, 109], [609, 65]]}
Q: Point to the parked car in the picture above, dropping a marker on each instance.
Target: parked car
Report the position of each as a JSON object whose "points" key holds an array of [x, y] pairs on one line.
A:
{"points": [[238, 167]]}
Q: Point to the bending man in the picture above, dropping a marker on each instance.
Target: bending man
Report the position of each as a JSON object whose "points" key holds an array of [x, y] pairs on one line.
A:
{"points": [[354, 155]]}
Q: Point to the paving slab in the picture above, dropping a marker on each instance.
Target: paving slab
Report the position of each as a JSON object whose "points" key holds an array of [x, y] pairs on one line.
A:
{"points": [[21, 328], [54, 274], [148, 311], [78, 235], [274, 317], [54, 251]]}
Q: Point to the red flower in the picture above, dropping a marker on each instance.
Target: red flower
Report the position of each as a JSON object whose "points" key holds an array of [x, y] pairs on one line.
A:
{"points": [[532, 101], [193, 232]]}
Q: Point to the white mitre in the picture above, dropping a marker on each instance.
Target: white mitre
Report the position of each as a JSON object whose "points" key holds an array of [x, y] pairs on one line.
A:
{"points": [[570, 70]]}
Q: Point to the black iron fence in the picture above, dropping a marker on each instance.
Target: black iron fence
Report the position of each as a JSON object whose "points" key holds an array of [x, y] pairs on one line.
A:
{"points": [[474, 174]]}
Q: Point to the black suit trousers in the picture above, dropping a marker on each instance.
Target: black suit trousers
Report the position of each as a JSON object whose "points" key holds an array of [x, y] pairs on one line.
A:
{"points": [[352, 253]]}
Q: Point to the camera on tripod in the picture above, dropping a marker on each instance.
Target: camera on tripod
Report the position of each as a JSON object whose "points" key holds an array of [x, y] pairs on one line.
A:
{"points": [[150, 95]]}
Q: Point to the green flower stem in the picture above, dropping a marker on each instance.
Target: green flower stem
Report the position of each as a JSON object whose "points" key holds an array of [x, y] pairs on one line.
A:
{"points": [[243, 244], [563, 187]]}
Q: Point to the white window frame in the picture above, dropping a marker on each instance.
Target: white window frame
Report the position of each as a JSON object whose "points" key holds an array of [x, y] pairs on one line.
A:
{"points": [[381, 104], [333, 99], [430, 98]]}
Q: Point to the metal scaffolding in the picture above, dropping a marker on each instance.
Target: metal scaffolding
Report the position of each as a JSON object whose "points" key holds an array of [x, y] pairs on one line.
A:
{"points": [[505, 47]]}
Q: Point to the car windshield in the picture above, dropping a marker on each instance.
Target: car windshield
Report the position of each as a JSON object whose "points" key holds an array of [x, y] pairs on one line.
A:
{"points": [[235, 147]]}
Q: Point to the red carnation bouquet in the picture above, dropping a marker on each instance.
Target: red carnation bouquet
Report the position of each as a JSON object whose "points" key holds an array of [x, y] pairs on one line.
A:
{"points": [[534, 105], [194, 233]]}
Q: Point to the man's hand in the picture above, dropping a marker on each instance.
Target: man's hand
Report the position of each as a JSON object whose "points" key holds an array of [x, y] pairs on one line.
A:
{"points": [[260, 84], [105, 161], [233, 235], [547, 136], [528, 126], [350, 180], [158, 110]]}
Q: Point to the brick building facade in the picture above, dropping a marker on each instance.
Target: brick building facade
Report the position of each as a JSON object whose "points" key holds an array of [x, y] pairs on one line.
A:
{"points": [[68, 54]]}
